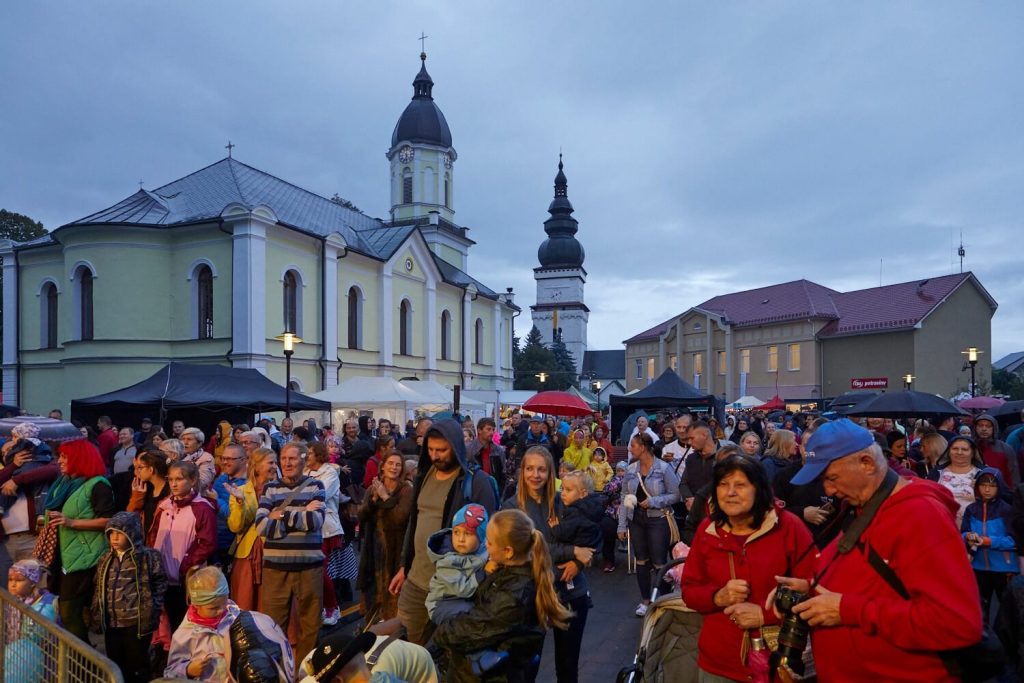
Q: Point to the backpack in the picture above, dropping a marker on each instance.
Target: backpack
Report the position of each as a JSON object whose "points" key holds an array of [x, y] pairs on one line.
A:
{"points": [[467, 485]]}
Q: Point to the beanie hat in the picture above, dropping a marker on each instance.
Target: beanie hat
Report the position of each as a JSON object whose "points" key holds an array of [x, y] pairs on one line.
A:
{"points": [[474, 517]]}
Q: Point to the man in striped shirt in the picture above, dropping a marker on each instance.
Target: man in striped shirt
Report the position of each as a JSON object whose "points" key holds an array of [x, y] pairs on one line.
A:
{"points": [[289, 518]]}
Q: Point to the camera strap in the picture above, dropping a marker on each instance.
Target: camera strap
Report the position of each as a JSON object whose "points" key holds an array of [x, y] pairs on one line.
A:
{"points": [[855, 525]]}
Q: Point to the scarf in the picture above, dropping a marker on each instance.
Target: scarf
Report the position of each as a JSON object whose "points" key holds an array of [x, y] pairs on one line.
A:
{"points": [[205, 622], [61, 490]]}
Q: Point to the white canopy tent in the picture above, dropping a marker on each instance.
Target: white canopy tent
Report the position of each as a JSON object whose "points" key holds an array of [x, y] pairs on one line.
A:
{"points": [[442, 399], [746, 402], [377, 396]]}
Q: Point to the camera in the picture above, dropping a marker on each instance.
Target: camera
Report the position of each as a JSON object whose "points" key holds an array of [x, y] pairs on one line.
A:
{"points": [[793, 632]]}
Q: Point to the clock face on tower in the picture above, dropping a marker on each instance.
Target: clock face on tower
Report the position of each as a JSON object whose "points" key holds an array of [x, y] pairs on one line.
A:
{"points": [[447, 160], [405, 155]]}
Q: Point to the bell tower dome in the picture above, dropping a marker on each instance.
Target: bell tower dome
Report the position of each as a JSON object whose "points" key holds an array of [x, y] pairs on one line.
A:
{"points": [[422, 157]]}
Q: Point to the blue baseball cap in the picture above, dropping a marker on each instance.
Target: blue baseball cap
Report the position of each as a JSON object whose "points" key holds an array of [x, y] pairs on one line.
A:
{"points": [[831, 441]]}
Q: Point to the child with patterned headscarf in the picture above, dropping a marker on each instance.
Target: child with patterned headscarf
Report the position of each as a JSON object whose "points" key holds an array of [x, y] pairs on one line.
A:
{"points": [[23, 656]]}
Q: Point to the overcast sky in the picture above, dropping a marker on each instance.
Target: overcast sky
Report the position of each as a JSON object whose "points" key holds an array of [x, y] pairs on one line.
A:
{"points": [[710, 147]]}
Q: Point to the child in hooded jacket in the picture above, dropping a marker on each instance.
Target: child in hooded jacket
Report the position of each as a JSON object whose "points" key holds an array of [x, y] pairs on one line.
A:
{"points": [[130, 587], [986, 529], [24, 659], [512, 608], [459, 555]]}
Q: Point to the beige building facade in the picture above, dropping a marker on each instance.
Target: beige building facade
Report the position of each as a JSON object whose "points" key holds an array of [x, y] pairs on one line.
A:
{"points": [[805, 342]]}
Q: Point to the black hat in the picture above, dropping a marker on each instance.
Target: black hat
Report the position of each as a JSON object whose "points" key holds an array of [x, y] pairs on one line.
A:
{"points": [[335, 652], [147, 419]]}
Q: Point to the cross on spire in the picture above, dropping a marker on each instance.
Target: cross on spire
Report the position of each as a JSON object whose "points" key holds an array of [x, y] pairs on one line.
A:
{"points": [[140, 184], [229, 147], [423, 42]]}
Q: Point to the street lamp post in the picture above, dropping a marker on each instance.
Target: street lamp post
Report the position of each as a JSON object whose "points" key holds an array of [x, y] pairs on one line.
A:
{"points": [[595, 386], [289, 339], [543, 377], [908, 379], [972, 360]]}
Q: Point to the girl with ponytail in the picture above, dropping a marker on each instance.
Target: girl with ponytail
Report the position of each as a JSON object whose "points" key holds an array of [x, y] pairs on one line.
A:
{"points": [[512, 608]]}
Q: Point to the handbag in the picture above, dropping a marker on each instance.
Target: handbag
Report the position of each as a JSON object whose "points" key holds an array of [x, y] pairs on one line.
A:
{"points": [[673, 526], [46, 545], [758, 661]]}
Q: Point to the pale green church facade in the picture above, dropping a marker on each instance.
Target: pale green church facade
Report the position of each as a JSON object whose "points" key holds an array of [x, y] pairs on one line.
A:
{"points": [[212, 267]]}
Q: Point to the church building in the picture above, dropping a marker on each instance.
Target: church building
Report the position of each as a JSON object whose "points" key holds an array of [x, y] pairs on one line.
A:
{"points": [[214, 267]]}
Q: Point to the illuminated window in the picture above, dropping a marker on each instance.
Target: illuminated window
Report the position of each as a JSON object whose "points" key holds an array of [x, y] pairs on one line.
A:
{"points": [[773, 359], [794, 356]]}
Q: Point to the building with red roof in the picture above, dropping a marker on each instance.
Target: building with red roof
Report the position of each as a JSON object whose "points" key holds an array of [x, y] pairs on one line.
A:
{"points": [[805, 342]]}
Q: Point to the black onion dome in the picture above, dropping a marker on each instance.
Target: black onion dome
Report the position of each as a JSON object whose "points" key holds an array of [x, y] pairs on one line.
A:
{"points": [[422, 120], [561, 248]]}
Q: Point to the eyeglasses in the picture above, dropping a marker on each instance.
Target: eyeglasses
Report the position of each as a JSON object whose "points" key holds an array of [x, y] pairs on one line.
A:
{"points": [[231, 459]]}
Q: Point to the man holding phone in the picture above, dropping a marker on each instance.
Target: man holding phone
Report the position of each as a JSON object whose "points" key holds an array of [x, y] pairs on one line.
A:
{"points": [[234, 466]]}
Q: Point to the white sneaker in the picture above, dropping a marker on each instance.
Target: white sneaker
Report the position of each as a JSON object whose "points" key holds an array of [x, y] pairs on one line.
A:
{"points": [[330, 618], [641, 610]]}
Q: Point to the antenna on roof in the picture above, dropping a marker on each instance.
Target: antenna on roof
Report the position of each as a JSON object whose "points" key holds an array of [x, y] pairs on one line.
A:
{"points": [[140, 183], [961, 252]]}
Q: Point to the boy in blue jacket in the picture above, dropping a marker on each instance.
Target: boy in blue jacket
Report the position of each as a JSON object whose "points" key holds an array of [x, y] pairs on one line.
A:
{"points": [[986, 530]]}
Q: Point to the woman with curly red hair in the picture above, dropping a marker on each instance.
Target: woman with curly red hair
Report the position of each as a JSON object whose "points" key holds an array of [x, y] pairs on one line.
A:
{"points": [[78, 506]]}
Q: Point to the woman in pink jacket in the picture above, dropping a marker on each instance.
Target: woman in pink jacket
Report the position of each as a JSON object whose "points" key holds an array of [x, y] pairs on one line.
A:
{"points": [[184, 532]]}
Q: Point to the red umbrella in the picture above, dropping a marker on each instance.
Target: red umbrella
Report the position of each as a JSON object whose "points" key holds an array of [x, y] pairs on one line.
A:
{"points": [[981, 403], [557, 403]]}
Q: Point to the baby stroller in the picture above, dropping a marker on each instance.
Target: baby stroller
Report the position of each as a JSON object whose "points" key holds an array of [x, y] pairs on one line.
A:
{"points": [[668, 641]]}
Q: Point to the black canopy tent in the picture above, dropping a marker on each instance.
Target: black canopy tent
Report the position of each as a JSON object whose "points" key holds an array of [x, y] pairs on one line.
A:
{"points": [[199, 395], [667, 391]]}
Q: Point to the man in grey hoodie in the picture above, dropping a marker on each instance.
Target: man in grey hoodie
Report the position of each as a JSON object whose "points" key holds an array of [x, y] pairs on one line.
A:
{"points": [[444, 484], [987, 431]]}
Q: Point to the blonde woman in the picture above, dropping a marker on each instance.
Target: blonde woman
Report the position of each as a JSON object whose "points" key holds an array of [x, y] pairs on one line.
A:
{"points": [[781, 452], [247, 549]]}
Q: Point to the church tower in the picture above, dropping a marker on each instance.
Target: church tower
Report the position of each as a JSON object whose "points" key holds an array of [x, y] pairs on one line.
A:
{"points": [[560, 312], [422, 173]]}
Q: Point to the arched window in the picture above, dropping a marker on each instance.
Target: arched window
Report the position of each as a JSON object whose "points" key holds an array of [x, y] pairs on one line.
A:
{"points": [[48, 316], [407, 186], [355, 319], [447, 192], [204, 302], [478, 342], [291, 302], [446, 335], [429, 186], [83, 281], [405, 328]]}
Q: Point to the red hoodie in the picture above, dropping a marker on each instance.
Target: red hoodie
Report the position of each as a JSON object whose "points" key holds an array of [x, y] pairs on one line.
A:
{"points": [[770, 551], [884, 637]]}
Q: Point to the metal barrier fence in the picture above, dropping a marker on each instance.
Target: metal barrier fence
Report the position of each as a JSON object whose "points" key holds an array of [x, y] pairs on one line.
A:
{"points": [[36, 649]]}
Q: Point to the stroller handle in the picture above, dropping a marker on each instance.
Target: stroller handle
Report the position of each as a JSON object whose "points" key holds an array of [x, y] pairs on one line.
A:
{"points": [[664, 569]]}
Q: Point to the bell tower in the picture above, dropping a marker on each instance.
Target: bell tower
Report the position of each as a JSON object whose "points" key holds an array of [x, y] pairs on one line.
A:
{"points": [[560, 311]]}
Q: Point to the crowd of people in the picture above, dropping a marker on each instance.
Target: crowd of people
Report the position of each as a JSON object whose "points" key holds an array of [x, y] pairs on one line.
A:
{"points": [[230, 558]]}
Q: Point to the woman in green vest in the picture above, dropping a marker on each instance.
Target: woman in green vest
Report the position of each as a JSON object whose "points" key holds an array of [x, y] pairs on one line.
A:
{"points": [[78, 505]]}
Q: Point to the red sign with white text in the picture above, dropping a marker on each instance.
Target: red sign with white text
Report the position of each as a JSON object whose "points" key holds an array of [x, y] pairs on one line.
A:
{"points": [[869, 383]]}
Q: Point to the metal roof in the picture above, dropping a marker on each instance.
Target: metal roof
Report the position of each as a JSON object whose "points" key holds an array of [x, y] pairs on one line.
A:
{"points": [[605, 364], [1011, 362], [877, 309], [205, 194]]}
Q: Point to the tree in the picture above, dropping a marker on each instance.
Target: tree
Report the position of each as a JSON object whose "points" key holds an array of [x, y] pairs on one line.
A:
{"points": [[533, 359], [1007, 384], [565, 367], [15, 226]]}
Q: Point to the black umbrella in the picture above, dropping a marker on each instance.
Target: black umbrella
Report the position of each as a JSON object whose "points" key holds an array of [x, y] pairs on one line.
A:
{"points": [[897, 404], [49, 429], [1009, 411]]}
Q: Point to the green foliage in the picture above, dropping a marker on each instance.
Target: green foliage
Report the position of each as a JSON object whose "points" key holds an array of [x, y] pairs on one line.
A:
{"points": [[341, 201], [14, 226], [1008, 384], [535, 358]]}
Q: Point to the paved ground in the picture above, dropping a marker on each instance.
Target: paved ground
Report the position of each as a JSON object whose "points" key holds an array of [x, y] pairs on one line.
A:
{"points": [[612, 633]]}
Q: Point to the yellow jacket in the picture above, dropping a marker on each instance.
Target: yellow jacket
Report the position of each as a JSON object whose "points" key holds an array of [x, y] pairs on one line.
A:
{"points": [[241, 521], [578, 457], [600, 472]]}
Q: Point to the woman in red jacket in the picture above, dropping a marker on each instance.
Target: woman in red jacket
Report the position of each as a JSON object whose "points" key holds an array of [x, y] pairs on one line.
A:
{"points": [[736, 554]]}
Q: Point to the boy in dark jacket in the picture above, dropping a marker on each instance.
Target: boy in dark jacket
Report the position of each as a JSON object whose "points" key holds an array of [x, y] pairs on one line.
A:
{"points": [[129, 596], [579, 521]]}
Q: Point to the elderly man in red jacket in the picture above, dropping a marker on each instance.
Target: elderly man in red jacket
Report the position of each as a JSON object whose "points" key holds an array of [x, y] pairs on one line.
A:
{"points": [[862, 628]]}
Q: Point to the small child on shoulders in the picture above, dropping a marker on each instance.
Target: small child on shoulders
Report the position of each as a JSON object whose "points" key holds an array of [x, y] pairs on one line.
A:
{"points": [[579, 522]]}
